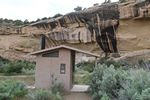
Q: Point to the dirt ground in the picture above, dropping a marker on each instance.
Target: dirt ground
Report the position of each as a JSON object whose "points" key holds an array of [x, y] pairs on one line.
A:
{"points": [[78, 96]]}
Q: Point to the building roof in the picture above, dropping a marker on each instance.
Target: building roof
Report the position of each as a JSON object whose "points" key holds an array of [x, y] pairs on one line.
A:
{"points": [[64, 47]]}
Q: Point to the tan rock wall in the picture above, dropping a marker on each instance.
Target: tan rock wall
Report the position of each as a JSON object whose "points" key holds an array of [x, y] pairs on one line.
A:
{"points": [[4, 30], [134, 35], [33, 30]]}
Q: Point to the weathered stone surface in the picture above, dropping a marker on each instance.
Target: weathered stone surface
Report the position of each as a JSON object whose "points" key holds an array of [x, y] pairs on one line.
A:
{"points": [[133, 35], [135, 9]]}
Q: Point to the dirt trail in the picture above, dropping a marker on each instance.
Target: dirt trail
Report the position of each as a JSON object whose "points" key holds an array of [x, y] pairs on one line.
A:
{"points": [[78, 96]]}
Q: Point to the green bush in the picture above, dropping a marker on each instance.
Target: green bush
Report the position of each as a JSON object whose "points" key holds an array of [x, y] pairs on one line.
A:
{"points": [[86, 66], [27, 71], [145, 95], [3, 60], [116, 64], [81, 77], [13, 68], [27, 64], [106, 80], [18, 67], [145, 64], [40, 94], [137, 86], [2, 63], [54, 93], [105, 97], [12, 89], [57, 88], [108, 83]]}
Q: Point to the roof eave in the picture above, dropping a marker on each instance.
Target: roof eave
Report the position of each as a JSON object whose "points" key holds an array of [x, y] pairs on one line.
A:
{"points": [[66, 47]]}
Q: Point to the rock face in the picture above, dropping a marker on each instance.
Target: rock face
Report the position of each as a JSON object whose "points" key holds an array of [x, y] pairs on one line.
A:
{"points": [[133, 33], [32, 30], [135, 9], [14, 46], [7, 29], [100, 21]]}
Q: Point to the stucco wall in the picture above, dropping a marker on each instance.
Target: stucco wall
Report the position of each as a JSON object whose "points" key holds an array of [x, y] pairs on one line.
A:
{"points": [[46, 66]]}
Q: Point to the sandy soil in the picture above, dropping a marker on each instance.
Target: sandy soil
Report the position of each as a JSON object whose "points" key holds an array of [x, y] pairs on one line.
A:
{"points": [[78, 96]]}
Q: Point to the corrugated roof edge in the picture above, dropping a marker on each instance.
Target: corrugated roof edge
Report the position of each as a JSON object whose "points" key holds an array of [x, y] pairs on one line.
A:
{"points": [[66, 47]]}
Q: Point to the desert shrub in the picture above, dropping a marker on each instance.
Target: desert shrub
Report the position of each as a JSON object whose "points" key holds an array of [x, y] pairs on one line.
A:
{"points": [[27, 71], [57, 91], [3, 61], [27, 64], [105, 97], [57, 88], [108, 83], [81, 77], [18, 67], [39, 94], [137, 86], [89, 66], [12, 68], [86, 66], [57, 96], [106, 80], [116, 64], [12, 89], [145, 64], [54, 93], [145, 95]]}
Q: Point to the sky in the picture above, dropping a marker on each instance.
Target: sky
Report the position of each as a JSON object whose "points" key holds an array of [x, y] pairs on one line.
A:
{"points": [[34, 9]]}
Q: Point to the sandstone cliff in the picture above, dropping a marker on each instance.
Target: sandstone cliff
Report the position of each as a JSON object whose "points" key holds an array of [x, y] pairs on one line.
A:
{"points": [[133, 34]]}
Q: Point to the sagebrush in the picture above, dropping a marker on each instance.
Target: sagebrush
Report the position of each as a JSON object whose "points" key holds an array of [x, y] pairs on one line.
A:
{"points": [[10, 89], [109, 83]]}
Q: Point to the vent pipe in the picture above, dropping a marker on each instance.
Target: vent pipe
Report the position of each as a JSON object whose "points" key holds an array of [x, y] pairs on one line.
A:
{"points": [[42, 41]]}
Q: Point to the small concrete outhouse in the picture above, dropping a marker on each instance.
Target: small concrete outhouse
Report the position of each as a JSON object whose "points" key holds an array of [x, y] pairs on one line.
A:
{"points": [[56, 62]]}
